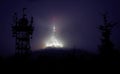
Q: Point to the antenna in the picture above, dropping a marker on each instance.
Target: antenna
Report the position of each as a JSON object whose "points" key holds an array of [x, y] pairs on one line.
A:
{"points": [[24, 12], [54, 28]]}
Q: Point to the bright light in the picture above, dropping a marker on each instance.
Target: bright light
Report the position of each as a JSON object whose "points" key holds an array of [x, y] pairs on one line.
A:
{"points": [[53, 41]]}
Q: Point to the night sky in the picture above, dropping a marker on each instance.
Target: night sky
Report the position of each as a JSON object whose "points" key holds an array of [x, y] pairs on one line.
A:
{"points": [[76, 22]]}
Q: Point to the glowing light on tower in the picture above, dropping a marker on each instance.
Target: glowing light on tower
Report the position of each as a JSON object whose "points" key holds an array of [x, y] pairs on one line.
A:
{"points": [[53, 41]]}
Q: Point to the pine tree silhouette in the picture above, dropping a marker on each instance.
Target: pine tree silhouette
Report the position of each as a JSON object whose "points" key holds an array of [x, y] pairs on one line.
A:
{"points": [[107, 46]]}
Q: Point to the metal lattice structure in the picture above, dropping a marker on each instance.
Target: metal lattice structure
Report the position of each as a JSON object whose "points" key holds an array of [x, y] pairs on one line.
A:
{"points": [[22, 30]]}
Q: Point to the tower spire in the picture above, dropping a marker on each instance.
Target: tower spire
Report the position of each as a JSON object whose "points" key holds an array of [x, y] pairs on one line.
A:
{"points": [[24, 12], [54, 28]]}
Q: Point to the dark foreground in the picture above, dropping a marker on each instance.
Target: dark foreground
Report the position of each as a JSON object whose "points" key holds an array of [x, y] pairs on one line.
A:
{"points": [[60, 61]]}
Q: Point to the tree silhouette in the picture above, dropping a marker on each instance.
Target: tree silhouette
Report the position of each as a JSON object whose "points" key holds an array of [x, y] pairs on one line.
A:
{"points": [[107, 46]]}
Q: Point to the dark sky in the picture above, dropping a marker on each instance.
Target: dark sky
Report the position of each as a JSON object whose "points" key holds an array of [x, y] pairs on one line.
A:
{"points": [[77, 21]]}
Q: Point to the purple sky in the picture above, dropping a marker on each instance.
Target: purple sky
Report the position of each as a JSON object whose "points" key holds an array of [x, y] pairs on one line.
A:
{"points": [[77, 21]]}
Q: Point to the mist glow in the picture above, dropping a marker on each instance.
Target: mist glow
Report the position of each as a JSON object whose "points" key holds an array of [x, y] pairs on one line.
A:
{"points": [[53, 41]]}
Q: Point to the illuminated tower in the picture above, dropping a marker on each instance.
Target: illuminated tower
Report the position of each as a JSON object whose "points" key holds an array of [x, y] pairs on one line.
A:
{"points": [[22, 30], [53, 41]]}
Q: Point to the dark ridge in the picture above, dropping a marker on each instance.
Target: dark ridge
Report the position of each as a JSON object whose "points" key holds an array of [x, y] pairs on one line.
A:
{"points": [[60, 60]]}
